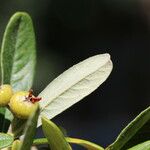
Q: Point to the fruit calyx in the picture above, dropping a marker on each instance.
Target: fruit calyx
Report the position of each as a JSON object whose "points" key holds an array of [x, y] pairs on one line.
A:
{"points": [[31, 98]]}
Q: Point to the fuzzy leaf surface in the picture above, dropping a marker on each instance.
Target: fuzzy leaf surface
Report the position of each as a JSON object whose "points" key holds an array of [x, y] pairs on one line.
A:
{"points": [[18, 52], [18, 56], [74, 84], [5, 140]]}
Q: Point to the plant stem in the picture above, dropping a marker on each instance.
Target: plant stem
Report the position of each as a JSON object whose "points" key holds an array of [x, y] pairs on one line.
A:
{"points": [[84, 143]]}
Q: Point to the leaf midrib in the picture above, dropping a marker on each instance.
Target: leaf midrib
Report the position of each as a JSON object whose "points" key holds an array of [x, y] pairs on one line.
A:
{"points": [[52, 101], [2, 50], [17, 32]]}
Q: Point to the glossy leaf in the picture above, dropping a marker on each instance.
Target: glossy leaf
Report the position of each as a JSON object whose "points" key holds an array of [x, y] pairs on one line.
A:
{"points": [[74, 84], [136, 132], [6, 140], [142, 146], [30, 131], [54, 135]]}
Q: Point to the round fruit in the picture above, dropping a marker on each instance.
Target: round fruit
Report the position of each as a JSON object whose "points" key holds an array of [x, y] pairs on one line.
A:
{"points": [[22, 104], [16, 145], [6, 93]]}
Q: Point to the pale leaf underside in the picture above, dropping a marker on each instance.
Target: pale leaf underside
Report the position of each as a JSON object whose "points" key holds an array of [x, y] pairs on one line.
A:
{"points": [[74, 84]]}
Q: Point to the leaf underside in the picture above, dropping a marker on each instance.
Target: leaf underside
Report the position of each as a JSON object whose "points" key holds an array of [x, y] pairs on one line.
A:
{"points": [[74, 84]]}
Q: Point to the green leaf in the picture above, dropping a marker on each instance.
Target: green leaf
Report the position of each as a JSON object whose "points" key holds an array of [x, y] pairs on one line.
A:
{"points": [[54, 135], [2, 111], [18, 55], [30, 131], [74, 84], [142, 146], [18, 52], [136, 132], [6, 140]]}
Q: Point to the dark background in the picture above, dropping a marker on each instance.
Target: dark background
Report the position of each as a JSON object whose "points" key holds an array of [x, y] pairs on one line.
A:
{"points": [[70, 31]]}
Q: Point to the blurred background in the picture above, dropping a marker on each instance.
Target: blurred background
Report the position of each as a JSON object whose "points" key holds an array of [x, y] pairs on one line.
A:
{"points": [[70, 31]]}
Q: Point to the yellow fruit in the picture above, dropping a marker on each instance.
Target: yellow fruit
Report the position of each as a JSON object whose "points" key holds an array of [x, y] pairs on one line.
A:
{"points": [[16, 145], [6, 93], [22, 105]]}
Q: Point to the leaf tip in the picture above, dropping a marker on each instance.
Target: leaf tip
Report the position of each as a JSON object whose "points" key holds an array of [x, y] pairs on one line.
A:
{"points": [[20, 14]]}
